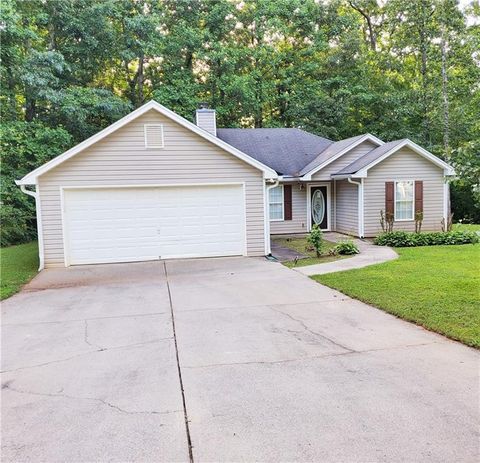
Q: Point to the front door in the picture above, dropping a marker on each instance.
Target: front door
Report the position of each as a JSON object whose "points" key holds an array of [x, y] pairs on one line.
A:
{"points": [[319, 208]]}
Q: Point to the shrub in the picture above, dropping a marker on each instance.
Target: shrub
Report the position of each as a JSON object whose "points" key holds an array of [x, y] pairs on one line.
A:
{"points": [[316, 240], [418, 221], [401, 239], [347, 247], [387, 220]]}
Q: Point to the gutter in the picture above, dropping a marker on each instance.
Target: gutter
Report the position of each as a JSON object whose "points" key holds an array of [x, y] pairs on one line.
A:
{"points": [[36, 195], [268, 249], [361, 221]]}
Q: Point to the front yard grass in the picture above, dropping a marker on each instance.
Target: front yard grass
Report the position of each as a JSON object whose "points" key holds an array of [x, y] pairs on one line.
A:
{"points": [[300, 244], [466, 227], [18, 265], [437, 287]]}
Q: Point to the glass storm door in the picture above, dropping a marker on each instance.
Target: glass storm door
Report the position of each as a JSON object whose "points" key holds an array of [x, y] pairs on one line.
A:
{"points": [[319, 206]]}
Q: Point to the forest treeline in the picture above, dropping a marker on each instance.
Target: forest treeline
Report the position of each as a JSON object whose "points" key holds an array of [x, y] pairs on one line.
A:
{"points": [[339, 68]]}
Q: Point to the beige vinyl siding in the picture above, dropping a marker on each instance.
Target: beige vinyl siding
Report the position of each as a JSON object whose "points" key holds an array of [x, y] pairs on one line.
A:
{"points": [[122, 159], [346, 199], [343, 161], [298, 224], [405, 164]]}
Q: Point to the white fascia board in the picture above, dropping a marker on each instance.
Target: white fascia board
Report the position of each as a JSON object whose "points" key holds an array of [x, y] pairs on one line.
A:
{"points": [[287, 179], [31, 178], [366, 137], [448, 169]]}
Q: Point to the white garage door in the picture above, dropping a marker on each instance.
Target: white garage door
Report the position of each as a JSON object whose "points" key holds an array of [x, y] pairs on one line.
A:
{"points": [[104, 225]]}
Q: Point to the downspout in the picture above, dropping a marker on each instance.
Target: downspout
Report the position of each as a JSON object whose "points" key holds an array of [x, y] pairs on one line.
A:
{"points": [[268, 249], [446, 200], [335, 204], [35, 194], [361, 231]]}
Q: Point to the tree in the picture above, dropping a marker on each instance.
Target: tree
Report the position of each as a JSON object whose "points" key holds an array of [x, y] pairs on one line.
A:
{"points": [[24, 147], [395, 68]]}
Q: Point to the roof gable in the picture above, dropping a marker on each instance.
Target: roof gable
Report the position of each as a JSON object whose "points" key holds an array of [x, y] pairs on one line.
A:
{"points": [[360, 167], [31, 178], [334, 152]]}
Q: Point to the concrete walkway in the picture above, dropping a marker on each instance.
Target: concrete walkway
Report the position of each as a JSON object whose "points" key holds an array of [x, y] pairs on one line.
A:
{"points": [[369, 255]]}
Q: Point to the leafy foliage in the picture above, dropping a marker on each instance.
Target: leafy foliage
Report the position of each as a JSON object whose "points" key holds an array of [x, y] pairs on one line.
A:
{"points": [[23, 147], [465, 189], [400, 68], [402, 239], [315, 238], [346, 247]]}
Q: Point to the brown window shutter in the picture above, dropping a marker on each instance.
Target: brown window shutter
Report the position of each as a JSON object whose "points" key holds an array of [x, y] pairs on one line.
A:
{"points": [[418, 196], [287, 202], [389, 198]]}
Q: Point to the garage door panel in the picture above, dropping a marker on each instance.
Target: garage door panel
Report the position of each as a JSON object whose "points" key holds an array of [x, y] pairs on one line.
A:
{"points": [[131, 224]]}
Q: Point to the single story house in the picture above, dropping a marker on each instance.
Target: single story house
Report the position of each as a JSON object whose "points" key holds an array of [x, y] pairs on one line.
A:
{"points": [[155, 186]]}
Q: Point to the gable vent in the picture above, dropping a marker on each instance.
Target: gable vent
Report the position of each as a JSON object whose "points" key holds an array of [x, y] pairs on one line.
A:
{"points": [[154, 136]]}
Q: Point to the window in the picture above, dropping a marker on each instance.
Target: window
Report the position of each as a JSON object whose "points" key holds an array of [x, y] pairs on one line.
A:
{"points": [[404, 200], [153, 135], [276, 203]]}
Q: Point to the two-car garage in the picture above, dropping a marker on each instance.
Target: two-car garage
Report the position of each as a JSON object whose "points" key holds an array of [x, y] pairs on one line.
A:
{"points": [[151, 186], [126, 224]]}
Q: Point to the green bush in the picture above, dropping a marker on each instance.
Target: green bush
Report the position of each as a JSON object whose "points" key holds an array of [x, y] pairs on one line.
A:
{"points": [[316, 240], [401, 239], [347, 247], [23, 147]]}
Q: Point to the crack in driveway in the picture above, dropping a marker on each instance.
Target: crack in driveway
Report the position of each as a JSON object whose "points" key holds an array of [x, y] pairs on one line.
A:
{"points": [[83, 319], [85, 338], [267, 362], [312, 357], [306, 328], [102, 401], [103, 349]]}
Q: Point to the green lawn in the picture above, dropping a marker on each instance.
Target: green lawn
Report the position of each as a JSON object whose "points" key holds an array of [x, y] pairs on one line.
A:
{"points": [[301, 245], [18, 265], [466, 226], [437, 287]]}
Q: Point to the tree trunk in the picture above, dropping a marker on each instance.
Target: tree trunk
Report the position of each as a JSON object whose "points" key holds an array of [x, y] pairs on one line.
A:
{"points": [[370, 27], [423, 73], [258, 110], [446, 113], [30, 109], [140, 80], [52, 41]]}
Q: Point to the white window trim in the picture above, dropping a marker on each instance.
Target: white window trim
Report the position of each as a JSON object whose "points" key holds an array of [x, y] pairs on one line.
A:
{"points": [[395, 201], [283, 205], [145, 127]]}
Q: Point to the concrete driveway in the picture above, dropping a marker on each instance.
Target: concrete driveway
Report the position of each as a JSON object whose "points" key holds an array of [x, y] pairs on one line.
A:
{"points": [[270, 366]]}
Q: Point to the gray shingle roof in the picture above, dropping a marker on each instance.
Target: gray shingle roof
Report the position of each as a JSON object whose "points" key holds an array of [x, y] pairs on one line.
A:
{"points": [[287, 151], [329, 153], [368, 158]]}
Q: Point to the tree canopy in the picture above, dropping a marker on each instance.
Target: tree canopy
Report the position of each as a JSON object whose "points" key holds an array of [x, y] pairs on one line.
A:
{"points": [[338, 68]]}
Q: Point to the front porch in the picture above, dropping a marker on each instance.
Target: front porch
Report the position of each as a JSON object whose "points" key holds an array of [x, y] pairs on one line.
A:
{"points": [[296, 206]]}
